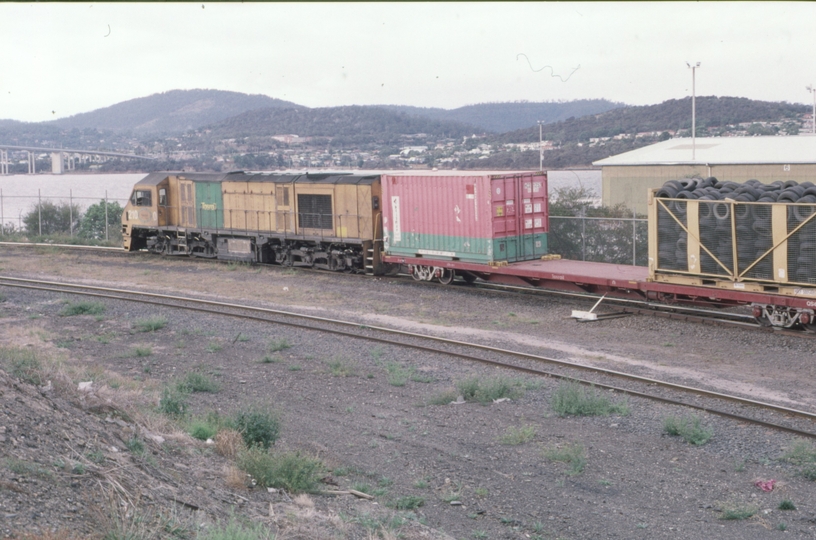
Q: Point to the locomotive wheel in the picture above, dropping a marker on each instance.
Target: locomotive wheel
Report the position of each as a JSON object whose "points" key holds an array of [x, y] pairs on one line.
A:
{"points": [[447, 276]]}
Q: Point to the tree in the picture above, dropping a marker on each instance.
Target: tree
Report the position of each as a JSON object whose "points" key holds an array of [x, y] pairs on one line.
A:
{"points": [[92, 224], [47, 217]]}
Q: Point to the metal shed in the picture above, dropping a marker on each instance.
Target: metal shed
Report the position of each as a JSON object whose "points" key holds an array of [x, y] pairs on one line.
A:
{"points": [[627, 177]]}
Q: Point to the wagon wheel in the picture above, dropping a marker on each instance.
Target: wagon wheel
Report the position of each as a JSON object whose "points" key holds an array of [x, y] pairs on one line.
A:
{"points": [[415, 273], [447, 276]]}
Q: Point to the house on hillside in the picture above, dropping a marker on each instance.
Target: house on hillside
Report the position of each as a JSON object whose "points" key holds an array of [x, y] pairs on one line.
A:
{"points": [[627, 177]]}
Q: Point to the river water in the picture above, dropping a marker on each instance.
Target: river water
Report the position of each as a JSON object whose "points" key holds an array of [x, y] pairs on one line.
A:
{"points": [[19, 193]]}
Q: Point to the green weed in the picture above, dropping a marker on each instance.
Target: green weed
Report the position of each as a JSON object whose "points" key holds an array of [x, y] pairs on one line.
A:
{"points": [[571, 454], [271, 359], [398, 374], [738, 512], [572, 398], [23, 364], [20, 466], [258, 426], [290, 471], [487, 391], [149, 325], [82, 308], [135, 445], [197, 382], [689, 428], [515, 436], [142, 352], [409, 502], [341, 368], [787, 504], [277, 345], [214, 347], [173, 402], [234, 530]]}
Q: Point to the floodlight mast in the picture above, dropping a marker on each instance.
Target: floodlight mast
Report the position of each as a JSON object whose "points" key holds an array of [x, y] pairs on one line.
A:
{"points": [[693, 110]]}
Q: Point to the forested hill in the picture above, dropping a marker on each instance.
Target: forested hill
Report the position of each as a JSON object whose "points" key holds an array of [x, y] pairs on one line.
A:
{"points": [[175, 111], [503, 117], [345, 125], [672, 115]]}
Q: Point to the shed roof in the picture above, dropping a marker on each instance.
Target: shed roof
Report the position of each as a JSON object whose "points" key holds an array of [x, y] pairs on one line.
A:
{"points": [[720, 151]]}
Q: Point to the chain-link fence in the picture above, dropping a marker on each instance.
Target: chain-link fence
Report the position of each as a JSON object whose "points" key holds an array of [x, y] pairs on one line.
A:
{"points": [[41, 214], [601, 239]]}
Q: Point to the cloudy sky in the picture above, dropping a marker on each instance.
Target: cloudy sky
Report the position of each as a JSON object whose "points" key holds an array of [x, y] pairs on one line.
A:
{"points": [[63, 59]]}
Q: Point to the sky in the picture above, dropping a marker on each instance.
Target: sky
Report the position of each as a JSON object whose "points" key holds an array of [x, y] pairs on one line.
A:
{"points": [[63, 59]]}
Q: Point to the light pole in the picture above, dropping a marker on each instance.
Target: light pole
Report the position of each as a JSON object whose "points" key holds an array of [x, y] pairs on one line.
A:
{"points": [[812, 90], [693, 110], [540, 148]]}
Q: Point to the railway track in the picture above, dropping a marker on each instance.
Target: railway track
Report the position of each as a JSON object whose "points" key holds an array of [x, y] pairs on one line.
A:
{"points": [[627, 306], [798, 422]]}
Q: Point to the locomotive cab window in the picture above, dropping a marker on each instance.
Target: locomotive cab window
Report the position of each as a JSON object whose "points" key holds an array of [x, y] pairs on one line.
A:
{"points": [[141, 197], [163, 197]]}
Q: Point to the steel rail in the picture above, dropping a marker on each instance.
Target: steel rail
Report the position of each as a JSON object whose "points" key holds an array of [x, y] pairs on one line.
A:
{"points": [[143, 297]]}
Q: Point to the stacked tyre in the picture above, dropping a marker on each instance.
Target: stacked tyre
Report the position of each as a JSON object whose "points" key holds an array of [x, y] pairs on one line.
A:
{"points": [[753, 226]]}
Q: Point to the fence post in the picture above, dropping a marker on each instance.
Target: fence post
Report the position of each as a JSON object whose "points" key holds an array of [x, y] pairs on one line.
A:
{"points": [[634, 237], [106, 215], [39, 210], [71, 211], [583, 235]]}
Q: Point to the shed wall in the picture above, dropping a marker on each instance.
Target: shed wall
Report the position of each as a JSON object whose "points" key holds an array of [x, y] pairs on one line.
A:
{"points": [[630, 184]]}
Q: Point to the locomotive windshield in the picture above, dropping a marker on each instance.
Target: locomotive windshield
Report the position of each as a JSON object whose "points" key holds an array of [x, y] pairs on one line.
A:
{"points": [[141, 197]]}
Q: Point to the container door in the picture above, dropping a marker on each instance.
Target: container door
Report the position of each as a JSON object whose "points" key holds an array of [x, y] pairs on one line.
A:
{"points": [[504, 197], [533, 218]]}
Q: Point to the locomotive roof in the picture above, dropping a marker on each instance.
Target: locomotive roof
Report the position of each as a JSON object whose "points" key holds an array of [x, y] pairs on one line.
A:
{"points": [[156, 178]]}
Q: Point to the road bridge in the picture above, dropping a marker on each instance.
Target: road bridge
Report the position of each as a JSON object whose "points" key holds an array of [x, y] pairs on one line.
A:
{"points": [[59, 157]]}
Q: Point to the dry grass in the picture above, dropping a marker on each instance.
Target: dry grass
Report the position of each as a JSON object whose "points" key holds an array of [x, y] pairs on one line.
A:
{"points": [[49, 535], [234, 478], [304, 501], [228, 442]]}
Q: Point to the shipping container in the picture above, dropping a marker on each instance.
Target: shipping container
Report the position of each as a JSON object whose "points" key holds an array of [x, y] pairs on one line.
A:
{"points": [[488, 218]]}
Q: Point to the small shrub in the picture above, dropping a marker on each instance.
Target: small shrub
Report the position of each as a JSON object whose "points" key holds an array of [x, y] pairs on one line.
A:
{"points": [[82, 308], [236, 530], [398, 374], [572, 398], [197, 382], [202, 429], [78, 468], [689, 428], [421, 484], [258, 427], [271, 359], [20, 466], [214, 347], [290, 471], [173, 402], [490, 390], [409, 502], [23, 364], [443, 398], [135, 445], [515, 436], [738, 512], [142, 352], [340, 368], [787, 504], [571, 454], [277, 345], [801, 452], [150, 325], [421, 378]]}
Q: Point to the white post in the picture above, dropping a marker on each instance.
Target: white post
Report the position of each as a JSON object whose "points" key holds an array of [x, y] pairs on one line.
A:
{"points": [[693, 109]]}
